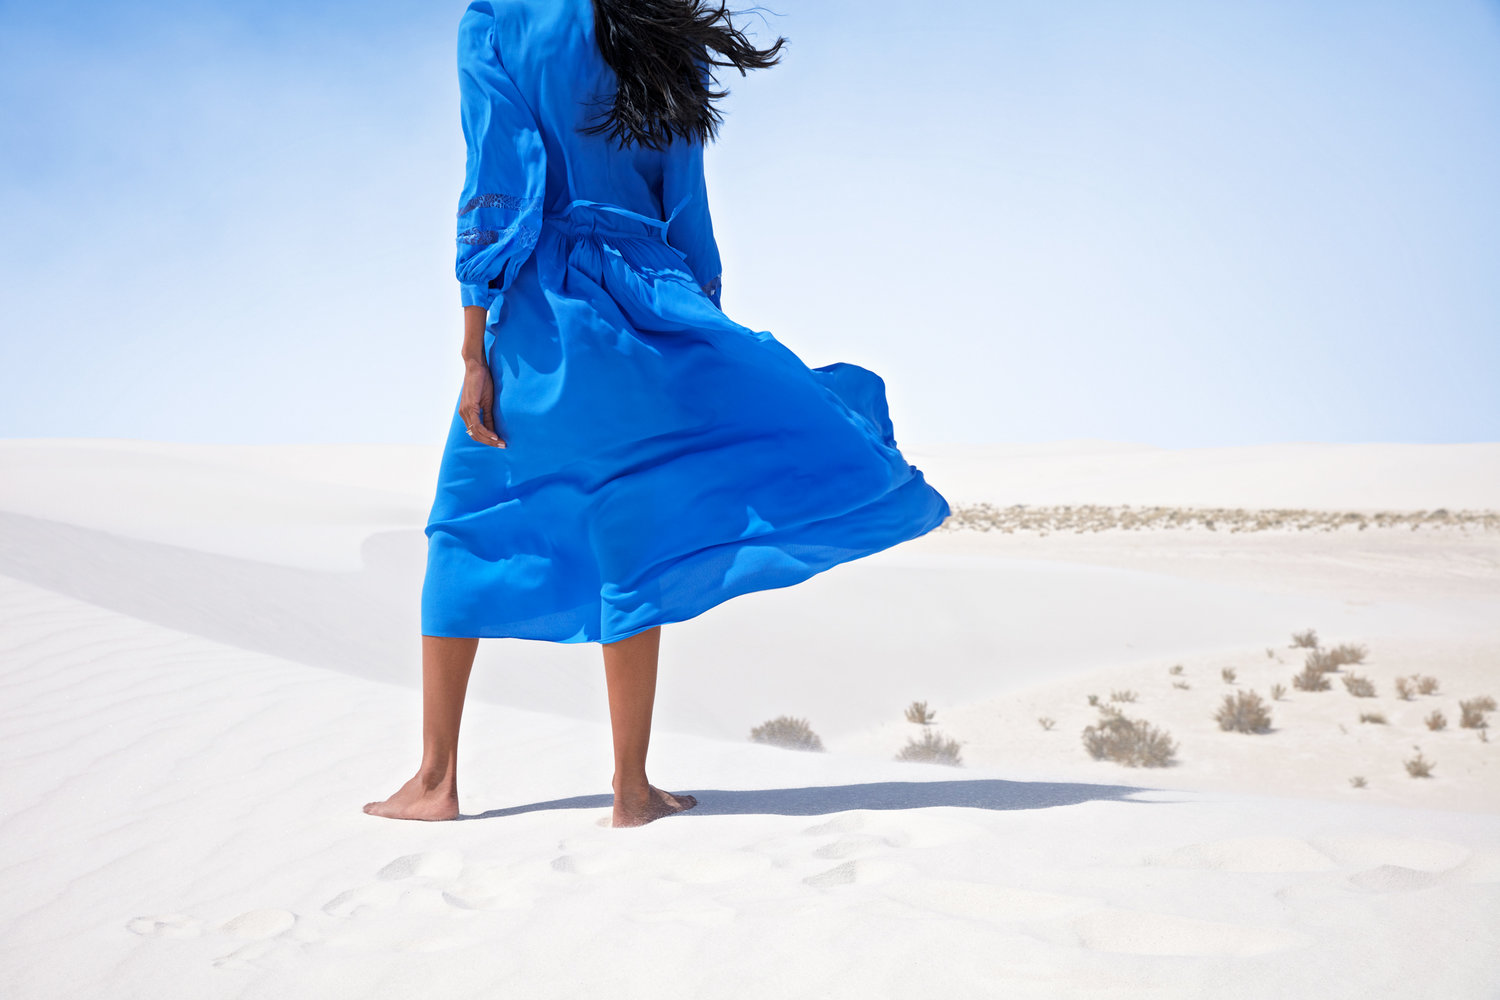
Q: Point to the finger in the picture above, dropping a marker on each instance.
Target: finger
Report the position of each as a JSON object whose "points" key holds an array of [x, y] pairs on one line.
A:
{"points": [[484, 429], [488, 415]]}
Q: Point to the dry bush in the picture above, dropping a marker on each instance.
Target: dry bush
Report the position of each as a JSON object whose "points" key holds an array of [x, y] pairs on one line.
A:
{"points": [[1047, 723], [1181, 684], [1419, 766], [918, 712], [1471, 712], [1176, 669], [1405, 689], [1270, 653], [1346, 653], [1426, 685], [1132, 742], [1277, 690], [1122, 696], [932, 748], [1319, 660], [1360, 687], [1357, 781], [1436, 720], [1244, 712], [1372, 717], [1227, 674], [1311, 679], [785, 731], [1305, 640], [1093, 699]]}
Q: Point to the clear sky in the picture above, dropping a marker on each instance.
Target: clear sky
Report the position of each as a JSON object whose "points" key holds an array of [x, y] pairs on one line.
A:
{"points": [[1164, 221]]}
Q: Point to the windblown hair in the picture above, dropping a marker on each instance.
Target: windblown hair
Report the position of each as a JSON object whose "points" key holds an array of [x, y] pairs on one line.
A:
{"points": [[660, 51]]}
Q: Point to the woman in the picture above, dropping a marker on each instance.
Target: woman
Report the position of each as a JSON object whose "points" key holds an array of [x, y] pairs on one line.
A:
{"points": [[622, 454]]}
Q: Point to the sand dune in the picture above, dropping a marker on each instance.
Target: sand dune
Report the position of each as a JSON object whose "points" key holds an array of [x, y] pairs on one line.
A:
{"points": [[210, 664]]}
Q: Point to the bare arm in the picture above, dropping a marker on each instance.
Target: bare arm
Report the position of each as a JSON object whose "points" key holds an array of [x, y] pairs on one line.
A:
{"points": [[478, 401], [473, 349]]}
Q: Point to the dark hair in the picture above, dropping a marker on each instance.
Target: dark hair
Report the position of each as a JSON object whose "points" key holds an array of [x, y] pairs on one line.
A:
{"points": [[660, 51]]}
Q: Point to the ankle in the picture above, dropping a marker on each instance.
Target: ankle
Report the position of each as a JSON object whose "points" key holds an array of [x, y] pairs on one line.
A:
{"points": [[437, 779], [633, 787]]}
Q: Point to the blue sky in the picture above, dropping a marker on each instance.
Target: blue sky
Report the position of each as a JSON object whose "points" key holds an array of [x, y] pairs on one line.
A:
{"points": [[1165, 221]]}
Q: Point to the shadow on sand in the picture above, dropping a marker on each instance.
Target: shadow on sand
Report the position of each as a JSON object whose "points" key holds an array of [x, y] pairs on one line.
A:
{"points": [[818, 800]]}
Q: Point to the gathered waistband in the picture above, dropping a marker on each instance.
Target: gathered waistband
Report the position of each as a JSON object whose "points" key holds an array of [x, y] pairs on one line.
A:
{"points": [[592, 220]]}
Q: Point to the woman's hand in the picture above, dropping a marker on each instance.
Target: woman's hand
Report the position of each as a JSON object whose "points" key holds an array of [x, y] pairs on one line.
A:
{"points": [[477, 404]]}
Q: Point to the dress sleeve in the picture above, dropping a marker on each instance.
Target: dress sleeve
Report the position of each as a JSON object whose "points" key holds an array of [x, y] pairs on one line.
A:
{"points": [[692, 228], [500, 207]]}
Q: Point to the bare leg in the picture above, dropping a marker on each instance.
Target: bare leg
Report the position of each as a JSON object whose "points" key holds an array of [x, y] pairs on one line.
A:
{"points": [[630, 673], [433, 793]]}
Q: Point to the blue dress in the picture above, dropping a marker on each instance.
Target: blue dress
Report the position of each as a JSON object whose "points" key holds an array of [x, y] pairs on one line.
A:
{"points": [[661, 457]]}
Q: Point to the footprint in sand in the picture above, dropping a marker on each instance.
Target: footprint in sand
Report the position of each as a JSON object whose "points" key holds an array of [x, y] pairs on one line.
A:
{"points": [[365, 899], [866, 871], [259, 929], [1132, 932], [435, 866], [171, 925], [258, 925], [840, 823], [1394, 878]]}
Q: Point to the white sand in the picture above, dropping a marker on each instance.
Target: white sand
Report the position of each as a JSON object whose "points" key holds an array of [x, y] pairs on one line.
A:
{"points": [[211, 663]]}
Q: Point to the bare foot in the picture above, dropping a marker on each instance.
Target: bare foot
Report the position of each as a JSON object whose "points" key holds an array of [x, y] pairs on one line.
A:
{"points": [[638, 809], [419, 799]]}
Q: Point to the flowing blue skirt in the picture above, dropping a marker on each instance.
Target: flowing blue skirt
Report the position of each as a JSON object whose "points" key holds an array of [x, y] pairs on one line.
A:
{"points": [[661, 458]]}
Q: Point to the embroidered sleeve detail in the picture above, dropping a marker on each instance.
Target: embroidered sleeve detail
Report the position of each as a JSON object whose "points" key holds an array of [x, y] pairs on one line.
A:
{"points": [[510, 201], [523, 236]]}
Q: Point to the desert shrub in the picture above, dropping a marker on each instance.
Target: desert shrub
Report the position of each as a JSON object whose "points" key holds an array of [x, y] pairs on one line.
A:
{"points": [[1311, 679], [1176, 669], [1047, 723], [1427, 685], [1405, 689], [1132, 742], [1346, 653], [1277, 690], [1227, 674], [785, 731], [1357, 781], [1093, 699], [1378, 717], [1419, 766], [1181, 684], [919, 713], [1270, 653], [1305, 640], [1436, 720], [1471, 712], [1360, 687], [1318, 659], [932, 748], [1122, 696], [1243, 712]]}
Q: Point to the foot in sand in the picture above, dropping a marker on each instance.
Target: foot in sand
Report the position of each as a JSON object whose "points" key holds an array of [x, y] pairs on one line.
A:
{"points": [[419, 799], [637, 808]]}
